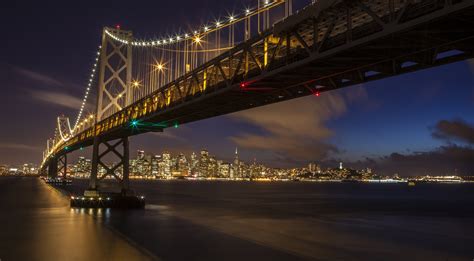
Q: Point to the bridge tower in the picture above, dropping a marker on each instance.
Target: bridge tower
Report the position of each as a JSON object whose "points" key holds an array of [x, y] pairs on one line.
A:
{"points": [[115, 73], [114, 93]]}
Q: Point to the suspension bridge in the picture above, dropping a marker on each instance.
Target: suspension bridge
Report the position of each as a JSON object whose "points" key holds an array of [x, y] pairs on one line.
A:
{"points": [[263, 55]]}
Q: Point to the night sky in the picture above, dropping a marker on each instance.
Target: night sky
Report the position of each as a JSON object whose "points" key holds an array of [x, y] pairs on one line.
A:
{"points": [[412, 124]]}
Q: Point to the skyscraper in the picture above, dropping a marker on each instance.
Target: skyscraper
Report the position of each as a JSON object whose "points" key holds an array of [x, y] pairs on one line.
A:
{"points": [[140, 154], [166, 164], [182, 165], [155, 167], [193, 164], [204, 163], [235, 166]]}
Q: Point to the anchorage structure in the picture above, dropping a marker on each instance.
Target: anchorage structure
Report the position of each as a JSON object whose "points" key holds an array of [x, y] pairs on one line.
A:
{"points": [[263, 55]]}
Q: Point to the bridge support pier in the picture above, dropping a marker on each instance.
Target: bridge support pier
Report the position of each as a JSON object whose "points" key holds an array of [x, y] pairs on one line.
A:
{"points": [[62, 168], [53, 168], [112, 171], [93, 197]]}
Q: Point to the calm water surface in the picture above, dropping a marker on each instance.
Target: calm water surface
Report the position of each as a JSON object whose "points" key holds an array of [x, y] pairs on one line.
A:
{"points": [[215, 220]]}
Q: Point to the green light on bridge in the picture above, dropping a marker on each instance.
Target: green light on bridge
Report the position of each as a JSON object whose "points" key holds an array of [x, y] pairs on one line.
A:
{"points": [[134, 123], [176, 125], [150, 125], [66, 148]]}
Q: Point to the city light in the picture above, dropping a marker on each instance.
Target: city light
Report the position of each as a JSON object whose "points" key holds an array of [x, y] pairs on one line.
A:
{"points": [[206, 166], [197, 39]]}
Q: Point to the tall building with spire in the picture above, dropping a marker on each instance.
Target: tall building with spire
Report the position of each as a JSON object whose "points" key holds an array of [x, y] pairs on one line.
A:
{"points": [[235, 167]]}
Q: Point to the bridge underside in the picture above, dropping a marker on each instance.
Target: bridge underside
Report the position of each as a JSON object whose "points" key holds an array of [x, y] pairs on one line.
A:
{"points": [[339, 63]]}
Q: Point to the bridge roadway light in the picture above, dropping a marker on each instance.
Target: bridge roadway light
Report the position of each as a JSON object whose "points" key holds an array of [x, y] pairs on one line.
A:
{"points": [[197, 39], [160, 67], [136, 84]]}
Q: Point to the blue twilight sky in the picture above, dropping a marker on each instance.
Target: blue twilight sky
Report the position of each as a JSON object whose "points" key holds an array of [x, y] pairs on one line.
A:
{"points": [[48, 48]]}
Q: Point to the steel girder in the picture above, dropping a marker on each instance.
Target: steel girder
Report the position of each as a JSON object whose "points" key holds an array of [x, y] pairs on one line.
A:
{"points": [[121, 166]]}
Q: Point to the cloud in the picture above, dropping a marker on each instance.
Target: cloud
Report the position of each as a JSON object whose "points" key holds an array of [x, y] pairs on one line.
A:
{"points": [[296, 129], [441, 161], [57, 98], [16, 146], [455, 130], [446, 159], [44, 79], [174, 134]]}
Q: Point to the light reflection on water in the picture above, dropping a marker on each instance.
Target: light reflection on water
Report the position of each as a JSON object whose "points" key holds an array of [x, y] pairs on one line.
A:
{"points": [[293, 220], [41, 226], [235, 221]]}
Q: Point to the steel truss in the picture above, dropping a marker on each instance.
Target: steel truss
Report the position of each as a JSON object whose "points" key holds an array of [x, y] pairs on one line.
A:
{"points": [[62, 166], [115, 74], [113, 171]]}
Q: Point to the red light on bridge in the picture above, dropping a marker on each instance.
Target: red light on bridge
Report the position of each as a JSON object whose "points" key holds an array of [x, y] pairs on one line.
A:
{"points": [[317, 94], [117, 26], [243, 85]]}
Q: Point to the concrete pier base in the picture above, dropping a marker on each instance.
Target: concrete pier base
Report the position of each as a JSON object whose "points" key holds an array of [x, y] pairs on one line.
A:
{"points": [[107, 200]]}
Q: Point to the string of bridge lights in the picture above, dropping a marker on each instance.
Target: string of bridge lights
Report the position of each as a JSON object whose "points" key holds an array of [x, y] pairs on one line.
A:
{"points": [[196, 34], [88, 88]]}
